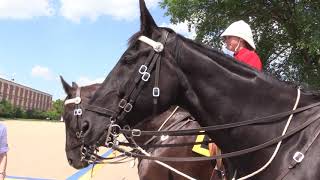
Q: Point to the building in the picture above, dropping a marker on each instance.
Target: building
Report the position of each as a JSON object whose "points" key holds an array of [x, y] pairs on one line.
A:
{"points": [[24, 97]]}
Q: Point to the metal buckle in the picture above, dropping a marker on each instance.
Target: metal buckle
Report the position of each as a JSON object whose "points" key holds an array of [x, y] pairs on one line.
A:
{"points": [[156, 92], [84, 151], [109, 144], [115, 129], [143, 69], [145, 76], [93, 158], [136, 132], [122, 103], [128, 107], [79, 134], [298, 157], [77, 112]]}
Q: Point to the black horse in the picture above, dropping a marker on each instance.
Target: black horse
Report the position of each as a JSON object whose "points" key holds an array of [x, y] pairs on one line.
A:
{"points": [[180, 119], [216, 89]]}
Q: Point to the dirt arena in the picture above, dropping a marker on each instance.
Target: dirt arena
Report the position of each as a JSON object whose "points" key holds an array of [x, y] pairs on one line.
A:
{"points": [[36, 151]]}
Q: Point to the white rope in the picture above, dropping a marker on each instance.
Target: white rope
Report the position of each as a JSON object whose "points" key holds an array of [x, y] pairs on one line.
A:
{"points": [[279, 143], [174, 111], [161, 163]]}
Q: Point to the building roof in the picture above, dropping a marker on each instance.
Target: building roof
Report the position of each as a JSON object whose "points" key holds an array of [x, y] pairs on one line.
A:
{"points": [[26, 87]]}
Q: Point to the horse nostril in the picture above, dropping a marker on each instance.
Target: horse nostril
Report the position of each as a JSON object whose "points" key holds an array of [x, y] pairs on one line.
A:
{"points": [[85, 127], [70, 162]]}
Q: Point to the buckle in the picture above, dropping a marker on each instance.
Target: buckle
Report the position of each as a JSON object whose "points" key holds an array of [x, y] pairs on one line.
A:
{"points": [[93, 158], [128, 107], [156, 92], [115, 129], [298, 157], [143, 69], [79, 134], [136, 132], [77, 112], [122, 103], [145, 76]]}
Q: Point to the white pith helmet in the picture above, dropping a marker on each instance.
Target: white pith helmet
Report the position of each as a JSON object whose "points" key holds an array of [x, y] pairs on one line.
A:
{"points": [[242, 30]]}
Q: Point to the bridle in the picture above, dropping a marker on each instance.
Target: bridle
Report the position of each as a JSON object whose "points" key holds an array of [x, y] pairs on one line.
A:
{"points": [[77, 112], [87, 154], [126, 104]]}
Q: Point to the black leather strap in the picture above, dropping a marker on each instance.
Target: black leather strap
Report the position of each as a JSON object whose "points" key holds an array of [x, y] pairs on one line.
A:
{"points": [[203, 130], [226, 155]]}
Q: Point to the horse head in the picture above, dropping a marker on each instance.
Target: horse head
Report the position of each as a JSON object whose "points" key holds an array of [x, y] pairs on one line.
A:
{"points": [[128, 93], [73, 121]]}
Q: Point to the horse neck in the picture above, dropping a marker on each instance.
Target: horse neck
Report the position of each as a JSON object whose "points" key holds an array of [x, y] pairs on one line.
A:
{"points": [[220, 90], [155, 122]]}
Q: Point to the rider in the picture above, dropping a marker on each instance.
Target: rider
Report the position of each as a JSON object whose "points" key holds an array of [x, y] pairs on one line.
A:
{"points": [[238, 43]]}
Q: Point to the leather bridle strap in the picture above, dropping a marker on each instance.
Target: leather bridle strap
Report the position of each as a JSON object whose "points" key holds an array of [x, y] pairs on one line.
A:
{"points": [[99, 110], [166, 145], [156, 89], [126, 103], [226, 155], [144, 75], [203, 130]]}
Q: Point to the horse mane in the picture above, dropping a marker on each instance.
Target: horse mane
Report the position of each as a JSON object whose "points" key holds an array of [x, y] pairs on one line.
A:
{"points": [[233, 65], [241, 68], [134, 38]]}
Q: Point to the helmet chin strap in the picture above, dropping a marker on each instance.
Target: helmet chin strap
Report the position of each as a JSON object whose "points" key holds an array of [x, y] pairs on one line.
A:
{"points": [[237, 47]]}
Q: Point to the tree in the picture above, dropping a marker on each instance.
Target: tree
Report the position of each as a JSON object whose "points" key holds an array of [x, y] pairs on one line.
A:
{"points": [[286, 32], [56, 111], [6, 109]]}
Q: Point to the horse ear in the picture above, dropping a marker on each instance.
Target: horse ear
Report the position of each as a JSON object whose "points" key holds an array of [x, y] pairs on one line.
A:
{"points": [[146, 20], [74, 85], [67, 88]]}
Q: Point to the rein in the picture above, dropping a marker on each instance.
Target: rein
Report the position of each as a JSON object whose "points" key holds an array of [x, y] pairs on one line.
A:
{"points": [[203, 130], [226, 155]]}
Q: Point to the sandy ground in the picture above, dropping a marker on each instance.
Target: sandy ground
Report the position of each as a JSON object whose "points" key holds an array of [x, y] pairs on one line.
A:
{"points": [[37, 151]]}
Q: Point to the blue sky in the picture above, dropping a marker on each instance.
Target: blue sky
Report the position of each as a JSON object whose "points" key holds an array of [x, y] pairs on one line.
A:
{"points": [[79, 39]]}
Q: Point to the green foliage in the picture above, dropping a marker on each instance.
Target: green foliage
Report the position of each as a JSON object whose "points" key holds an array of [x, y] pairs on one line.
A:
{"points": [[56, 110], [8, 111], [286, 32]]}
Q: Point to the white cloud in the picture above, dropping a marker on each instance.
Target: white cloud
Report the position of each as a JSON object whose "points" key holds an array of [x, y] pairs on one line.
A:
{"points": [[43, 72], [84, 81], [2, 75], [182, 28], [25, 9], [75, 10]]}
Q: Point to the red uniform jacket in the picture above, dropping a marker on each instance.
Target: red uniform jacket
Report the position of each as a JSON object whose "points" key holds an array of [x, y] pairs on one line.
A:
{"points": [[249, 57]]}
